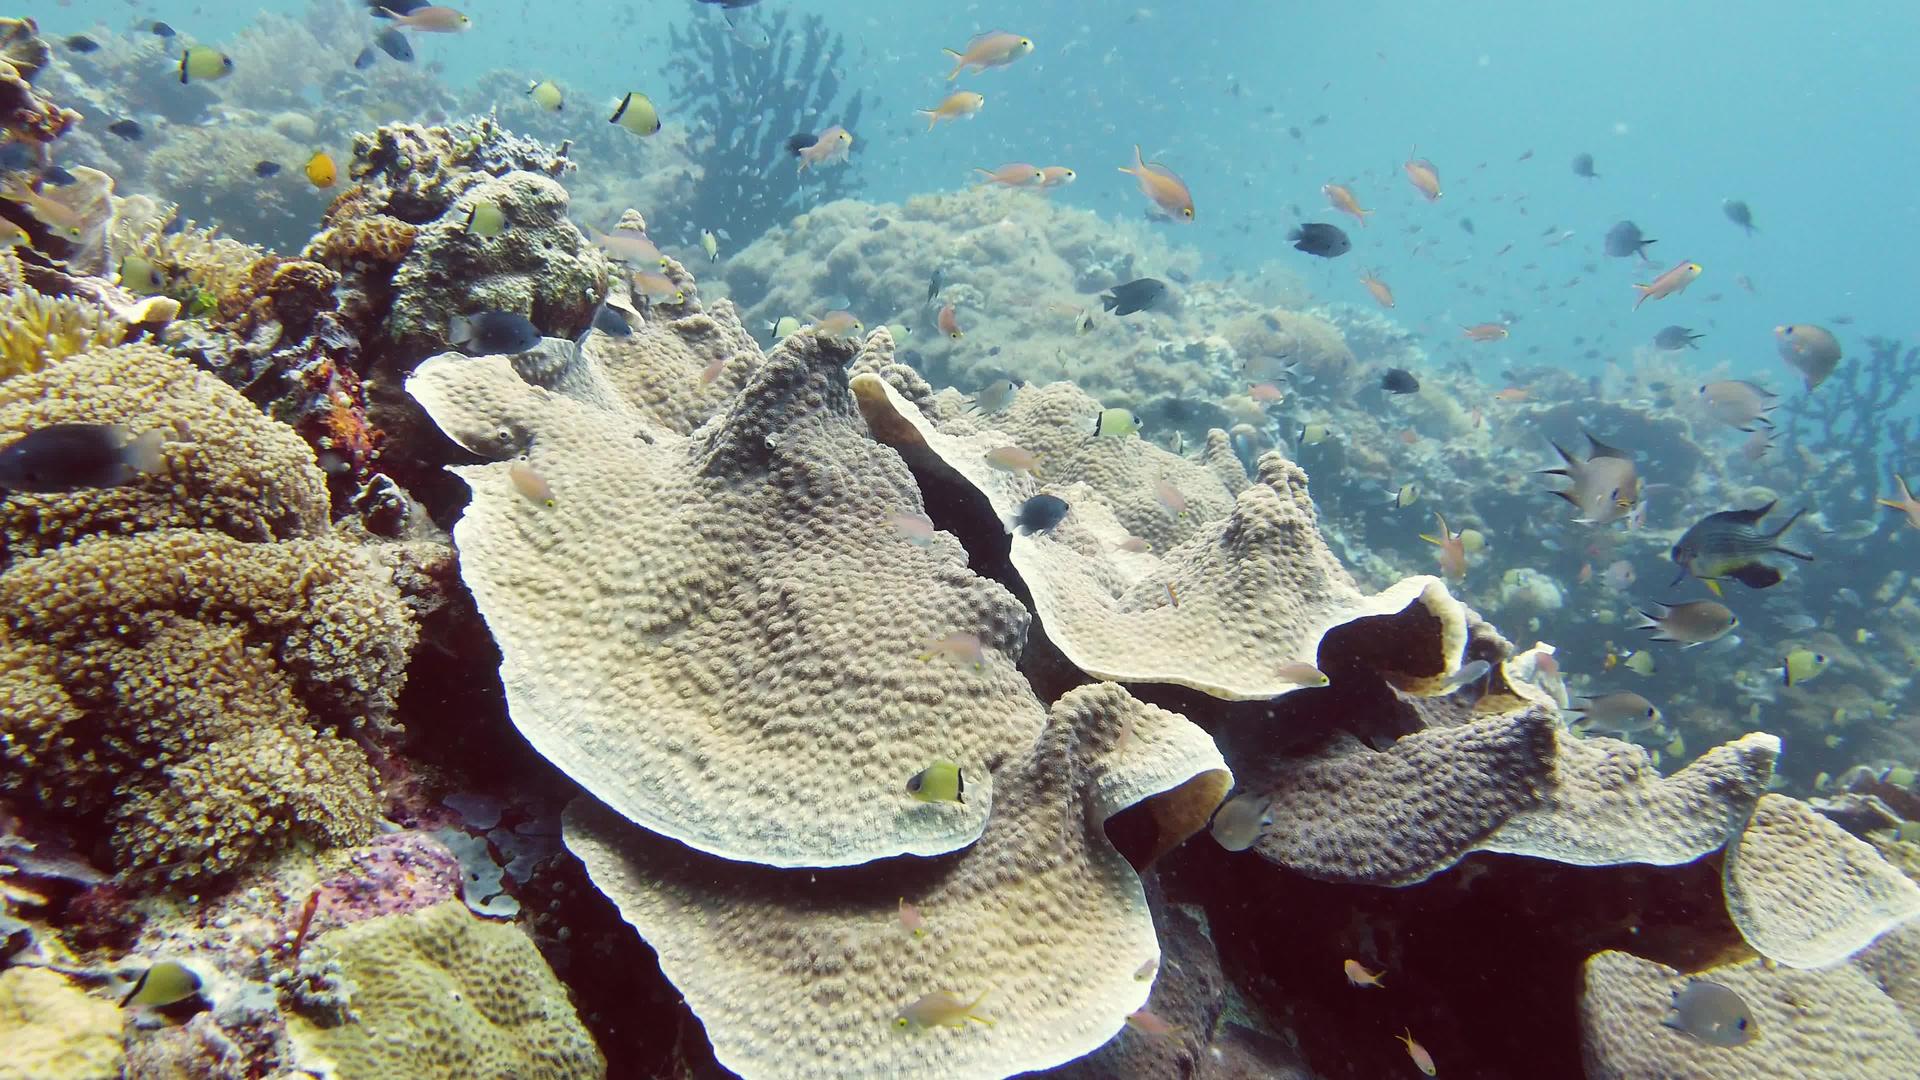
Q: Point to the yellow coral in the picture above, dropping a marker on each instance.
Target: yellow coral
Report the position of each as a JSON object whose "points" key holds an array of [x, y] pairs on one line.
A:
{"points": [[37, 330]]}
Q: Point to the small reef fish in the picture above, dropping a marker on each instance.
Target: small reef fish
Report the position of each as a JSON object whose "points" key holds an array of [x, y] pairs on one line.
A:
{"points": [[1623, 711], [266, 170], [204, 64], [1676, 338], [1013, 459], [1358, 975], [1301, 673], [911, 920], [1421, 1059], [1811, 350], [1162, 187], [82, 44], [1169, 497], [58, 217], [959, 105], [783, 327], [69, 457], [630, 246], [949, 323], [1453, 552], [995, 48], [1695, 622], [1148, 1022], [608, 320], [1425, 178], [1486, 331], [485, 218], [160, 30], [1399, 381], [1342, 200], [1239, 821], [1739, 213], [1605, 487], [1624, 240], [395, 44], [917, 529], [838, 324], [1321, 239], [1382, 294], [321, 171], [1039, 514], [1115, 424], [530, 484], [1906, 504], [1513, 395], [431, 19], [1137, 545], [1404, 496], [710, 244], [832, 147], [1801, 665], [1140, 294], [547, 94], [652, 285], [140, 277], [1312, 434], [962, 648], [1583, 167], [712, 370], [1266, 393], [1672, 282], [942, 1008], [1711, 1013], [163, 983], [1471, 672], [1016, 174], [1729, 544], [492, 333], [1053, 176], [1618, 575], [942, 781], [636, 113], [994, 396], [1737, 403], [129, 130]]}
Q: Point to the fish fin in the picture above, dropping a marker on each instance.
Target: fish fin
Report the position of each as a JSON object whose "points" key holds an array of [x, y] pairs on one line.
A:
{"points": [[1679, 577], [1596, 448], [1792, 554], [1753, 516], [1429, 539], [1713, 586], [142, 454], [1757, 576], [1785, 525]]}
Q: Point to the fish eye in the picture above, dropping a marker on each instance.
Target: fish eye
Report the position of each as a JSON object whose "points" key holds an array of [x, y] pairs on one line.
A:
{"points": [[901, 1022], [1186, 212]]}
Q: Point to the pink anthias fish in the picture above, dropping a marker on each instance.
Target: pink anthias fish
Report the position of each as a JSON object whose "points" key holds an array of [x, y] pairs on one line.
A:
{"points": [[1668, 284], [1342, 199], [995, 48], [1425, 177], [911, 920], [1382, 294], [1053, 176], [1421, 1059], [962, 648], [1358, 975], [1016, 174], [433, 19], [1170, 497], [1158, 183], [959, 105], [1014, 460], [1453, 550], [915, 528], [1148, 1022], [832, 147]]}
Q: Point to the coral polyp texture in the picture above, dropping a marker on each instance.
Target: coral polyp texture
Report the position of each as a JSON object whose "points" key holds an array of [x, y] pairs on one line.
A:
{"points": [[1042, 920], [759, 617], [442, 995], [54, 1030], [1237, 589], [1822, 1025], [1806, 894], [201, 621]]}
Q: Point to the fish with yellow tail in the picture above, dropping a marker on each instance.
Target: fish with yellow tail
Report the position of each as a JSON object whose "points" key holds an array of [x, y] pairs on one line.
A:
{"points": [[1160, 185], [1424, 177], [1342, 199], [995, 48], [1453, 552], [1730, 544], [1906, 504], [1421, 1059], [1358, 975], [830, 147], [1671, 283], [959, 105], [1801, 665], [942, 781]]}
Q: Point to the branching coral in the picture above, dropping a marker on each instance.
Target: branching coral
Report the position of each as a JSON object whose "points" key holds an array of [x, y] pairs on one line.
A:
{"points": [[747, 103]]}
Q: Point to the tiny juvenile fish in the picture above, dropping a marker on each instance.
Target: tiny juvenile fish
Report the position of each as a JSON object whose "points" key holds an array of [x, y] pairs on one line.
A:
{"points": [[1711, 1013], [917, 529], [911, 919], [962, 648], [1302, 673], [1148, 1022], [530, 484], [942, 781]]}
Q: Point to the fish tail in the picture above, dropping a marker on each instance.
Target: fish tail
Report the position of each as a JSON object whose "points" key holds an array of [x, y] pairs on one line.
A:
{"points": [[932, 116], [142, 454], [958, 67], [1645, 291]]}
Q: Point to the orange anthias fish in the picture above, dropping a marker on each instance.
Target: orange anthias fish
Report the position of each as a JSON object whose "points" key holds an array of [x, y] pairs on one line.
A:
{"points": [[1342, 199], [1907, 504], [958, 105], [1148, 1022], [1453, 550], [1424, 176], [1053, 176], [832, 147], [1157, 182], [1014, 174], [434, 18], [1486, 331], [1421, 1059], [1673, 281], [1381, 293], [1513, 395], [1358, 975], [995, 48], [950, 323]]}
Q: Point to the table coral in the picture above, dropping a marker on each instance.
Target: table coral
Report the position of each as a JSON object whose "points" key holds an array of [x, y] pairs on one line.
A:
{"points": [[746, 669], [803, 975], [184, 653], [440, 995]]}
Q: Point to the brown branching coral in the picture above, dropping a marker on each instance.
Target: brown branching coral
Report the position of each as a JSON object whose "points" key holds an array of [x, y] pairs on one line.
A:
{"points": [[182, 655]]}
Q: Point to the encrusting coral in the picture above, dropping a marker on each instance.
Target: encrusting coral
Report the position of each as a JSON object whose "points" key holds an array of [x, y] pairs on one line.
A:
{"points": [[185, 654], [54, 1030], [441, 995], [813, 975]]}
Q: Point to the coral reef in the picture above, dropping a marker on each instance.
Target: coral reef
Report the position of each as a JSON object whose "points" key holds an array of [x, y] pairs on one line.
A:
{"points": [[54, 1031], [745, 103], [438, 993], [201, 622]]}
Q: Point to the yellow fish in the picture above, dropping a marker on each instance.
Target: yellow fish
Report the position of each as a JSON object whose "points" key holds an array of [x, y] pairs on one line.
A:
{"points": [[1166, 190], [321, 171]]}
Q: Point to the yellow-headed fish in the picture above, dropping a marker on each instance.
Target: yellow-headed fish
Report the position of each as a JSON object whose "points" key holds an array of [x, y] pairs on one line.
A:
{"points": [[1668, 284], [995, 48], [941, 781], [321, 171], [637, 114], [198, 62], [547, 95], [959, 105], [1158, 183], [1358, 975]]}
